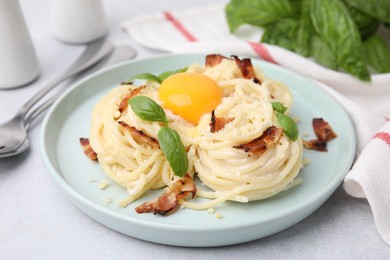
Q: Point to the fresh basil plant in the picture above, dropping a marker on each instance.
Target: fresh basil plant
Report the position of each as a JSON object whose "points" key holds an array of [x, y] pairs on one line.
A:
{"points": [[338, 34]]}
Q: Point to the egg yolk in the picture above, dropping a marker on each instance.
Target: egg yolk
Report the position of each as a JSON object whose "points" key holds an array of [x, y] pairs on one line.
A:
{"points": [[190, 95]]}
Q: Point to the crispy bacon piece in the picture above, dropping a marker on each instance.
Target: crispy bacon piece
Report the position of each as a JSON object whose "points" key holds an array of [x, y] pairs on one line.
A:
{"points": [[246, 68], [323, 130], [315, 144], [127, 83], [214, 59], [168, 201], [218, 123], [140, 136], [324, 133], [124, 103], [269, 137], [88, 149]]}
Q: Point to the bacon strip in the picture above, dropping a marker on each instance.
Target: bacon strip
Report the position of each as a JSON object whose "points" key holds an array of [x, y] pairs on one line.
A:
{"points": [[169, 200], [315, 144], [269, 137], [140, 136], [323, 130], [88, 149], [125, 101], [127, 83], [246, 68], [214, 59], [324, 133], [218, 123]]}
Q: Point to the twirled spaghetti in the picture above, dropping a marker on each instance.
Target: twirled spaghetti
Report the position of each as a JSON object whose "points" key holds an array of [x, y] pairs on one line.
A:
{"points": [[126, 148]]}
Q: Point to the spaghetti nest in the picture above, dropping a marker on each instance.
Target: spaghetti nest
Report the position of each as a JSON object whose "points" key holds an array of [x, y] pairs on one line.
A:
{"points": [[126, 150]]}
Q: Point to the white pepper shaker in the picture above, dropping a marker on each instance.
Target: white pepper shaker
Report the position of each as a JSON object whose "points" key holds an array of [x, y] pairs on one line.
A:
{"points": [[77, 21], [18, 60]]}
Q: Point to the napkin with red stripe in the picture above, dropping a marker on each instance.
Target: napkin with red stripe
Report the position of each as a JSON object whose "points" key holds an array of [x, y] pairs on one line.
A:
{"points": [[205, 30]]}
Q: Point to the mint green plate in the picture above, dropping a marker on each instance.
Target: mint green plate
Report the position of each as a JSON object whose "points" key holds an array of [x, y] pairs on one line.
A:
{"points": [[79, 178]]}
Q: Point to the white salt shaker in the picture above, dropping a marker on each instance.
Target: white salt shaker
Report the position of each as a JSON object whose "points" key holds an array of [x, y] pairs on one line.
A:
{"points": [[77, 21], [18, 60]]}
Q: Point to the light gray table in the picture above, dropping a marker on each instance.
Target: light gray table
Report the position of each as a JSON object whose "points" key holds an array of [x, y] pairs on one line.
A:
{"points": [[37, 222]]}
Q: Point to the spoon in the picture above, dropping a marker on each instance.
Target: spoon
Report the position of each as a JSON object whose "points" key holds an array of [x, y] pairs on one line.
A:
{"points": [[120, 53], [13, 133]]}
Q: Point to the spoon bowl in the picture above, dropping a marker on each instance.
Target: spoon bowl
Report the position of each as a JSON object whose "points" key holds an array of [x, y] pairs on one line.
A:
{"points": [[12, 135]]}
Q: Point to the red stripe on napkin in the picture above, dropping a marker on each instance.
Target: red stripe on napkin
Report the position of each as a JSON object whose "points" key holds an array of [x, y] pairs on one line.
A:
{"points": [[179, 26], [383, 136], [262, 51]]}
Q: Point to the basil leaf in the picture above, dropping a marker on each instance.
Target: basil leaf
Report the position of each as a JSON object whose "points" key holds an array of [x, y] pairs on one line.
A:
{"points": [[279, 107], [289, 126], [281, 33], [321, 53], [147, 109], [146, 76], [377, 8], [367, 25], [160, 78], [257, 12], [337, 29], [377, 54], [304, 31], [166, 74], [174, 150], [169, 140]]}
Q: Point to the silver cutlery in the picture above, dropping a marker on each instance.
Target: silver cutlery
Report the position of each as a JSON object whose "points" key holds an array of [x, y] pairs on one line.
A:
{"points": [[119, 54], [13, 133]]}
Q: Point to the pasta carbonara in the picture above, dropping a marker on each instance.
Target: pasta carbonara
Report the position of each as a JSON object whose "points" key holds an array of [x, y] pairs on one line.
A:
{"points": [[127, 150]]}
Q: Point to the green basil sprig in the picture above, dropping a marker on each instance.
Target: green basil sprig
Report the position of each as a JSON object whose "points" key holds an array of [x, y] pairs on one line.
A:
{"points": [[287, 123], [169, 140], [331, 32], [173, 149], [278, 107], [158, 78], [146, 109], [145, 76], [289, 126], [166, 74]]}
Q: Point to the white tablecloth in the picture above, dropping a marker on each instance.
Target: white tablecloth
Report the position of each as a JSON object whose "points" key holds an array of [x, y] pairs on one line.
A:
{"points": [[38, 222]]}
